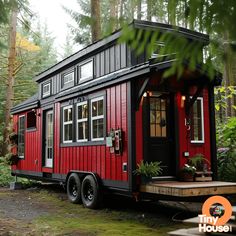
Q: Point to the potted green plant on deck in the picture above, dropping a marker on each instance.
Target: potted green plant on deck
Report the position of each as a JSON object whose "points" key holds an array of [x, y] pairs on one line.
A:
{"points": [[199, 161], [147, 170], [187, 173]]}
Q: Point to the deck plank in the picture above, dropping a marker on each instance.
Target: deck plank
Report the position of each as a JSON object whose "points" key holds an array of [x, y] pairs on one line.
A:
{"points": [[188, 189]]}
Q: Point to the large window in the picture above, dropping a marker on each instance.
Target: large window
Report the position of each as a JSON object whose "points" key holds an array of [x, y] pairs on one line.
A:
{"points": [[97, 119], [82, 121], [21, 137], [158, 117], [67, 124], [86, 71], [197, 123]]}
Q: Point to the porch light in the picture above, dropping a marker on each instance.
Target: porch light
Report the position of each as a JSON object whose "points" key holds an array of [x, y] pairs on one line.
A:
{"points": [[183, 98]]}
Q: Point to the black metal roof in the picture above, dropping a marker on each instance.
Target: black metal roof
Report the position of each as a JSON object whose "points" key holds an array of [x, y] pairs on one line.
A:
{"points": [[139, 24], [30, 103]]}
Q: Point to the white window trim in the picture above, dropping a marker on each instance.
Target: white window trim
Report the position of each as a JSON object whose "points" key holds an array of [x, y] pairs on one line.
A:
{"points": [[22, 157], [49, 91], [202, 118], [80, 121], [81, 79], [71, 80], [96, 117], [66, 123]]}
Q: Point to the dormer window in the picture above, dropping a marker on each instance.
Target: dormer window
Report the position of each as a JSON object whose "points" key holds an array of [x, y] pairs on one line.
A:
{"points": [[86, 71], [46, 89], [67, 79]]}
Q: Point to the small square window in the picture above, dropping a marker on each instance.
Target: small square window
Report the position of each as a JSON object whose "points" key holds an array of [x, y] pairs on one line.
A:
{"points": [[31, 120], [86, 71], [67, 80], [46, 89]]}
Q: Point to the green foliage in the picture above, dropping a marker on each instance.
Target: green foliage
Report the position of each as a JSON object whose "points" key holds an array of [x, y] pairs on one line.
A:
{"points": [[226, 152], [198, 161], [149, 169], [5, 173], [189, 169]]}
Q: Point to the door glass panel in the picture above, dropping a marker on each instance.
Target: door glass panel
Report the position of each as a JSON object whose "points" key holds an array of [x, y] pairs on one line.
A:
{"points": [[158, 117], [49, 139]]}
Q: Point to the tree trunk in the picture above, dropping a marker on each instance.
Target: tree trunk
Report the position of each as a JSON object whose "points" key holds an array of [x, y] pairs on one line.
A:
{"points": [[228, 74], [139, 9], [10, 79], [171, 7], [149, 10], [96, 20], [113, 14]]}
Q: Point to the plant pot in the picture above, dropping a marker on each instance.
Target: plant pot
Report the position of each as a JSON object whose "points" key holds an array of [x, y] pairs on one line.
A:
{"points": [[186, 177], [145, 179]]}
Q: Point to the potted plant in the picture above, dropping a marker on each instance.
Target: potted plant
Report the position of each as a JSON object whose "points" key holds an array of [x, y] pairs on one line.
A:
{"points": [[147, 170], [187, 173], [199, 161]]}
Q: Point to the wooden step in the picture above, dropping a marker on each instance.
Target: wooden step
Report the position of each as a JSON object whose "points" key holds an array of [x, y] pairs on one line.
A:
{"points": [[164, 178]]}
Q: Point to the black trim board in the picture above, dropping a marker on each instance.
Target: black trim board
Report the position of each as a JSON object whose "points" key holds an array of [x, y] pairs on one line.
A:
{"points": [[211, 98], [131, 137], [119, 185]]}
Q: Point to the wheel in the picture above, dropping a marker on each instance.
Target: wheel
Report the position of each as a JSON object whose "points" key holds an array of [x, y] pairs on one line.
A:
{"points": [[90, 194], [73, 188]]}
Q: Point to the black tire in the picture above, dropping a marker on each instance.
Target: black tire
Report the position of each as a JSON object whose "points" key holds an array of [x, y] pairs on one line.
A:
{"points": [[73, 188], [90, 194]]}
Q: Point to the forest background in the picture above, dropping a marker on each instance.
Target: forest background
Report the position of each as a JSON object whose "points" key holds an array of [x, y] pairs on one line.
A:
{"points": [[26, 51]]}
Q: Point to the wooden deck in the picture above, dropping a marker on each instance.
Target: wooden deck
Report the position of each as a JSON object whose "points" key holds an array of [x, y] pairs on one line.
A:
{"points": [[188, 189]]}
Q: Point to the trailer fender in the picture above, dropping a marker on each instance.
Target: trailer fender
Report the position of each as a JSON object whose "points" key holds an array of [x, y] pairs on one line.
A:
{"points": [[82, 175]]}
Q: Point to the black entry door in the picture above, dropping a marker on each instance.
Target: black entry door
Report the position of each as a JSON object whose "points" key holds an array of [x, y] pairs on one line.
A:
{"points": [[159, 130]]}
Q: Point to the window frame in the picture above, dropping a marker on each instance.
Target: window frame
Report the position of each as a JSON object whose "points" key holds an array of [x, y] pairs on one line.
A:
{"points": [[48, 94], [84, 79], [21, 116], [202, 123], [82, 120], [70, 83], [66, 123], [96, 118]]}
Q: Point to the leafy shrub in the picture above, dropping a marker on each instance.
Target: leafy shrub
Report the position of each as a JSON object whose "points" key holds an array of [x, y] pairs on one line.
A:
{"points": [[148, 169], [5, 173], [226, 152]]}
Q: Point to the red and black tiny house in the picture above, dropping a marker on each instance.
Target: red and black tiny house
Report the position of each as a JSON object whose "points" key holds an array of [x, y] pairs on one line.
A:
{"points": [[102, 110]]}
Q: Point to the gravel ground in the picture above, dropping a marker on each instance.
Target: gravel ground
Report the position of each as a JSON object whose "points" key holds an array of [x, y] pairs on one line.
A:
{"points": [[19, 208]]}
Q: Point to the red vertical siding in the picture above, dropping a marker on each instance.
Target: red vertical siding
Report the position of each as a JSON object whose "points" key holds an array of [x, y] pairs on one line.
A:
{"points": [[32, 157], [185, 143], [97, 158]]}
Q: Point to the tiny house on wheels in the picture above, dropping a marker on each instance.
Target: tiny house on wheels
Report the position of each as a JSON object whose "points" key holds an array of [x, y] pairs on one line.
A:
{"points": [[103, 110]]}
